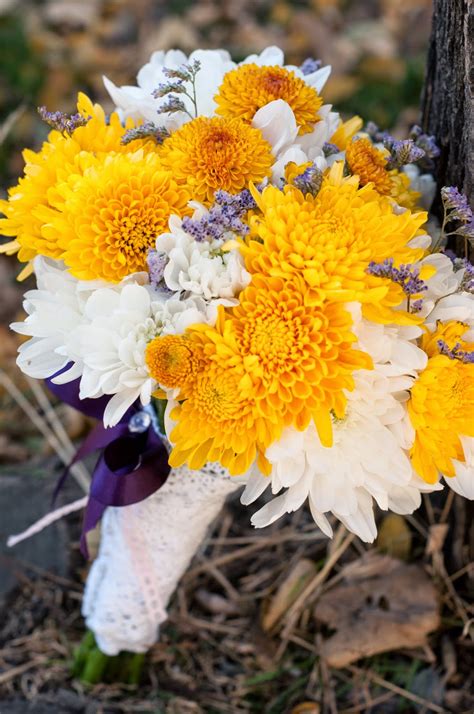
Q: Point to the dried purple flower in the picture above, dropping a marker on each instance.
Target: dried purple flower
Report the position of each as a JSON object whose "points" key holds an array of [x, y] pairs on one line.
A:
{"points": [[310, 65], [156, 266], [457, 203], [405, 276], [309, 181], [404, 152], [330, 149], [225, 216], [456, 352], [65, 123], [144, 131]]}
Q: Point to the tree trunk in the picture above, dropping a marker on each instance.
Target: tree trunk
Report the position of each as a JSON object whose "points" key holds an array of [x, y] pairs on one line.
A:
{"points": [[448, 97]]}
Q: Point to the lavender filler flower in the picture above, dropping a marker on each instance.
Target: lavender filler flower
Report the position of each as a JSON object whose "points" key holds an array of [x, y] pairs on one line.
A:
{"points": [[405, 276], [225, 216], [65, 123], [456, 352]]}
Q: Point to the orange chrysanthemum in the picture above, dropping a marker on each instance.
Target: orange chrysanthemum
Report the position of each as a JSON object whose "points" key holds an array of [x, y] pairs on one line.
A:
{"points": [[370, 165], [274, 360], [330, 240], [441, 406], [250, 87], [30, 203], [112, 214], [211, 154], [172, 360]]}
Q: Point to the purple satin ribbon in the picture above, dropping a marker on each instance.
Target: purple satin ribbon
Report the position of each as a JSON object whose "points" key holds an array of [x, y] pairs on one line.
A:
{"points": [[131, 466]]}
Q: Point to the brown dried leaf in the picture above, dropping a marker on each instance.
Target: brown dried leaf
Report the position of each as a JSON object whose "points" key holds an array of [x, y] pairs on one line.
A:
{"points": [[383, 605], [306, 708], [287, 593]]}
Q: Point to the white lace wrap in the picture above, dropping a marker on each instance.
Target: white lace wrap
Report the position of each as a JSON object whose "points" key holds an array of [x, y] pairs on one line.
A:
{"points": [[144, 550]]}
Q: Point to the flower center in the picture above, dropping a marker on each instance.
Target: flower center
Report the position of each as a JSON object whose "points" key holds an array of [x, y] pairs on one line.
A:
{"points": [[170, 360], [249, 87], [215, 153]]}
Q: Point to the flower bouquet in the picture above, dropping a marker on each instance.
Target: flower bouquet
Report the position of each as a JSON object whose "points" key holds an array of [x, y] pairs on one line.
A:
{"points": [[245, 290]]}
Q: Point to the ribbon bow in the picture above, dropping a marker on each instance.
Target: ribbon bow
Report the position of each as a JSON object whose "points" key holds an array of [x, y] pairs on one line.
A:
{"points": [[133, 463]]}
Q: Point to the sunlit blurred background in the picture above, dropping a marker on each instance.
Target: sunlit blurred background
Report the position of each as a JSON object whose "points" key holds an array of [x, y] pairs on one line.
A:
{"points": [[50, 49]]}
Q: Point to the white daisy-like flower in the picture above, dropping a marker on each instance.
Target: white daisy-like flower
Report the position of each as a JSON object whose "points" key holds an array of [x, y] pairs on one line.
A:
{"points": [[365, 463], [463, 482], [200, 268], [423, 183], [138, 102], [54, 309], [113, 341]]}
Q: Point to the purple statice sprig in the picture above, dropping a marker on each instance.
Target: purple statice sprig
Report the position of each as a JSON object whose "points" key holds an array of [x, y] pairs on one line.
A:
{"points": [[456, 352], [330, 149], [310, 65], [179, 81], [147, 130], [404, 152], [156, 262], [65, 123], [406, 276], [420, 148], [224, 216], [309, 181], [457, 211]]}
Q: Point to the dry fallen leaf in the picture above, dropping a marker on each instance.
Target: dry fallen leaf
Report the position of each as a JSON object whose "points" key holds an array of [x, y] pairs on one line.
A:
{"points": [[288, 592], [382, 605], [306, 708]]}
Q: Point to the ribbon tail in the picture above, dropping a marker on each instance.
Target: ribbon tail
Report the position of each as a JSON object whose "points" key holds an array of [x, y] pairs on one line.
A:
{"points": [[93, 513]]}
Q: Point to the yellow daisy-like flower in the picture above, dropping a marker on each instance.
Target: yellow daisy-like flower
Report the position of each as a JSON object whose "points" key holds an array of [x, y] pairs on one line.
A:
{"points": [[272, 361], [250, 87], [30, 201], [441, 406], [211, 154], [330, 240], [370, 165], [172, 360], [112, 214], [345, 132], [401, 192]]}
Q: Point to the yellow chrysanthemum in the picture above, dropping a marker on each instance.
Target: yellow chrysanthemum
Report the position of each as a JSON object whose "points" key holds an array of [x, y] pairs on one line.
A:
{"points": [[26, 210], [370, 164], [211, 154], [330, 240], [401, 192], [172, 360], [272, 361], [250, 87], [345, 132], [112, 214], [441, 406]]}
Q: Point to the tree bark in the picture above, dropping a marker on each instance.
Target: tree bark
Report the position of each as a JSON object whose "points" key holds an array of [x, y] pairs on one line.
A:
{"points": [[448, 97]]}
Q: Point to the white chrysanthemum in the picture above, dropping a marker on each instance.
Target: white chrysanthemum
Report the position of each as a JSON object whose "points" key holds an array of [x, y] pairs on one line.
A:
{"points": [[138, 102], [444, 280], [365, 463], [113, 341], [423, 183], [200, 268], [277, 123], [393, 348], [457, 306], [55, 308]]}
